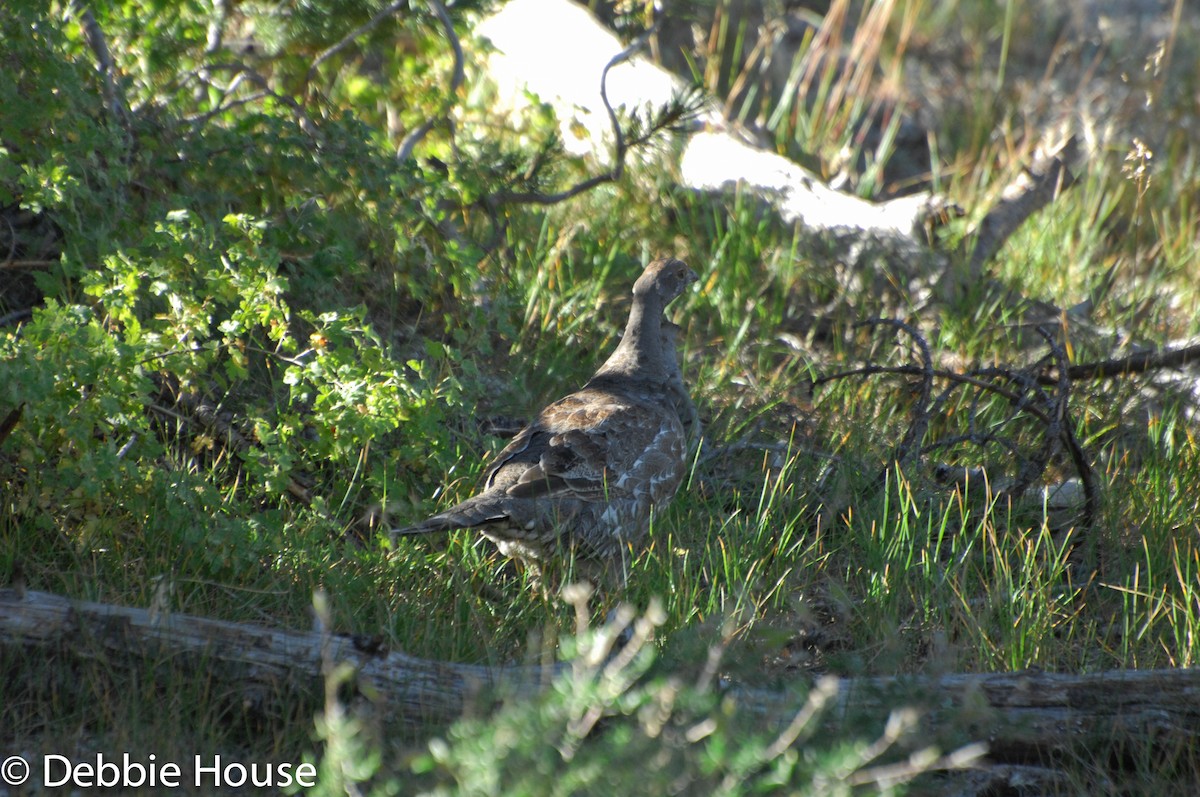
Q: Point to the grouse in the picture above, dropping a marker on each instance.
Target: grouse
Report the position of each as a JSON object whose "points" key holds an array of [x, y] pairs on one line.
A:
{"points": [[586, 474], [677, 394]]}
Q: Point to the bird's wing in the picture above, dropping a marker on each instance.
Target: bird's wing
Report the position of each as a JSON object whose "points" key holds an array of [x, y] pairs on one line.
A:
{"points": [[583, 447]]}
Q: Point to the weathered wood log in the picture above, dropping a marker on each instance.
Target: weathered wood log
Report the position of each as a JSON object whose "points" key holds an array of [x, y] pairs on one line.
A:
{"points": [[716, 156], [268, 660], [1025, 718], [1036, 186], [1036, 717]]}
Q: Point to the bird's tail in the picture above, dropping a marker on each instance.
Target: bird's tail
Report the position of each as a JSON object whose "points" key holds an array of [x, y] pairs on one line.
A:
{"points": [[429, 526], [464, 516]]}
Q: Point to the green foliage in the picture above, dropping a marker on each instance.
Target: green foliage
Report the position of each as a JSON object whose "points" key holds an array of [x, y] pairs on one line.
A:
{"points": [[611, 722]]}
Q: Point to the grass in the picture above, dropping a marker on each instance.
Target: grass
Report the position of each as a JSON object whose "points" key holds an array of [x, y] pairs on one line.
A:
{"points": [[784, 548]]}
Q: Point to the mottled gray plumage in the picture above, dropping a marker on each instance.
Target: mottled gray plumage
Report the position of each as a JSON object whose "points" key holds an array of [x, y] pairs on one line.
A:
{"points": [[677, 393], [590, 469]]}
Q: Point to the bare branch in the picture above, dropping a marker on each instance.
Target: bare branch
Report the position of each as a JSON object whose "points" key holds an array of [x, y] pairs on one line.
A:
{"points": [[216, 27], [538, 198], [912, 370], [1022, 388], [10, 421], [668, 117], [1056, 410], [1034, 188], [349, 38], [1185, 353], [241, 73], [197, 411], [196, 120], [306, 123], [908, 447], [412, 139], [94, 35], [1091, 495]]}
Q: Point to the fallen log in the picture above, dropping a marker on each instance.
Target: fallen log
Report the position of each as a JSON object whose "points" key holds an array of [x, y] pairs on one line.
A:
{"points": [[1026, 718], [718, 154], [267, 660]]}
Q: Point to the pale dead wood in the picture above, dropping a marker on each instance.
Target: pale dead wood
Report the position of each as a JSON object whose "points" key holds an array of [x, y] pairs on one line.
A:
{"points": [[1033, 715], [267, 660], [1036, 186], [1024, 717]]}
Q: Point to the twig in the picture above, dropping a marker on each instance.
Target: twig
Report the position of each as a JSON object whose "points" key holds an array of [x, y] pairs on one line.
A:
{"points": [[15, 264], [196, 120], [803, 724], [306, 123], [213, 39], [1025, 394], [10, 421], [886, 777], [24, 314], [412, 139], [349, 38], [670, 115], [975, 438], [1056, 411], [1091, 496], [129, 444], [920, 414], [208, 417], [244, 72], [1137, 363], [619, 149], [1065, 431], [538, 198], [912, 370]]}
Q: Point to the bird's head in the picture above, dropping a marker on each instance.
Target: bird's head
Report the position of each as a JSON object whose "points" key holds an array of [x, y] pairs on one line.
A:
{"points": [[664, 279]]}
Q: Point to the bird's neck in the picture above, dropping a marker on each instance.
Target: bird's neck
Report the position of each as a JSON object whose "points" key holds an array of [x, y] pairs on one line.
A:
{"points": [[640, 349]]}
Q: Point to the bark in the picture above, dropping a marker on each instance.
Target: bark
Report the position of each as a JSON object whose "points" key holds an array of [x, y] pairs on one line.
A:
{"points": [[267, 660], [1025, 718], [1036, 186]]}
